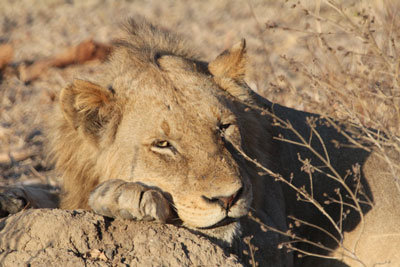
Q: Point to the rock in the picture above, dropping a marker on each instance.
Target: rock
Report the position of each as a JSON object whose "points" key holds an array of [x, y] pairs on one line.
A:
{"points": [[81, 238]]}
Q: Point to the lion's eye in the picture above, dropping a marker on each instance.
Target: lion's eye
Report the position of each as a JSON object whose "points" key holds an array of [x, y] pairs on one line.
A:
{"points": [[224, 126], [163, 147], [162, 144], [228, 131]]}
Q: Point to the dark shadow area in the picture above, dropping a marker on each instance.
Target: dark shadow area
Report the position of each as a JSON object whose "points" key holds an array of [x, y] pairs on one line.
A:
{"points": [[342, 158]]}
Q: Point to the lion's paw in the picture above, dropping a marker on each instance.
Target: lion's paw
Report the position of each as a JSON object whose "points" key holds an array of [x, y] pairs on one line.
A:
{"points": [[117, 198]]}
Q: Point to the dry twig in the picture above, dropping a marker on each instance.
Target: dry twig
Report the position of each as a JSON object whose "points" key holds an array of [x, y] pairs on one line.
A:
{"points": [[12, 156], [85, 51]]}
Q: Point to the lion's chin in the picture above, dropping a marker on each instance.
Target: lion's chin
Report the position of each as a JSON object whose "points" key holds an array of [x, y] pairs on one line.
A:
{"points": [[225, 230], [223, 222]]}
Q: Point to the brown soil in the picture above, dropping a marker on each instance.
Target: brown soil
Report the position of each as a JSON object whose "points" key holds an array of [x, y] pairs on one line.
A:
{"points": [[80, 238]]}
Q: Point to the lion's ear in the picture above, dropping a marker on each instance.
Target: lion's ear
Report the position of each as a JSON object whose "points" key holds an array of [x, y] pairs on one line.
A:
{"points": [[88, 107], [229, 69], [231, 63]]}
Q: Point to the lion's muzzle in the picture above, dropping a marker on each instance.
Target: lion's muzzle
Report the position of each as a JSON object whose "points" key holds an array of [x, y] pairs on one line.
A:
{"points": [[225, 202]]}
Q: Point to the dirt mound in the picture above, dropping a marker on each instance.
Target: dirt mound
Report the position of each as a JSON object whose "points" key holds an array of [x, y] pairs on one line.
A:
{"points": [[80, 238]]}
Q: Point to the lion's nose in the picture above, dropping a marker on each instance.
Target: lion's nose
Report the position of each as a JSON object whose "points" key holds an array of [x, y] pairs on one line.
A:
{"points": [[225, 202]]}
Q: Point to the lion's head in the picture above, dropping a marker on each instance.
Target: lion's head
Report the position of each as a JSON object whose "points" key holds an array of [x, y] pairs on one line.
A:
{"points": [[164, 119]]}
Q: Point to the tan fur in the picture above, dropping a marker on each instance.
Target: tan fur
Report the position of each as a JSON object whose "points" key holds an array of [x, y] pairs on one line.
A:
{"points": [[114, 138]]}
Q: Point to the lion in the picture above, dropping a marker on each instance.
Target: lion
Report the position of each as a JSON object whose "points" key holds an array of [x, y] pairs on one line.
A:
{"points": [[165, 136]]}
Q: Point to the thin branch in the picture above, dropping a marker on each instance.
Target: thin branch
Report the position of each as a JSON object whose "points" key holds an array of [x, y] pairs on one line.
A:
{"points": [[13, 156]]}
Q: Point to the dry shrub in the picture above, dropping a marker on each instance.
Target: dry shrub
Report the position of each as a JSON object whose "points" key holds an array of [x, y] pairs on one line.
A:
{"points": [[360, 80], [353, 73]]}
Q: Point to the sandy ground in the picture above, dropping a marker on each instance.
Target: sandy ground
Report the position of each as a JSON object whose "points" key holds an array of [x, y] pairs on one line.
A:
{"points": [[84, 239], [40, 29]]}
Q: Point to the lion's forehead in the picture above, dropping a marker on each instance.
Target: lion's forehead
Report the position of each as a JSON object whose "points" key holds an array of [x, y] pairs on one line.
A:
{"points": [[178, 89], [187, 105]]}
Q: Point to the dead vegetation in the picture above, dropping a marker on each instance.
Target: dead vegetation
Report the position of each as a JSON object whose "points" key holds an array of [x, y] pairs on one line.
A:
{"points": [[358, 82], [83, 52]]}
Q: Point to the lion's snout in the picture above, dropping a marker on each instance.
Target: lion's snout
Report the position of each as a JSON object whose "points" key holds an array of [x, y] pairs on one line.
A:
{"points": [[227, 201]]}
